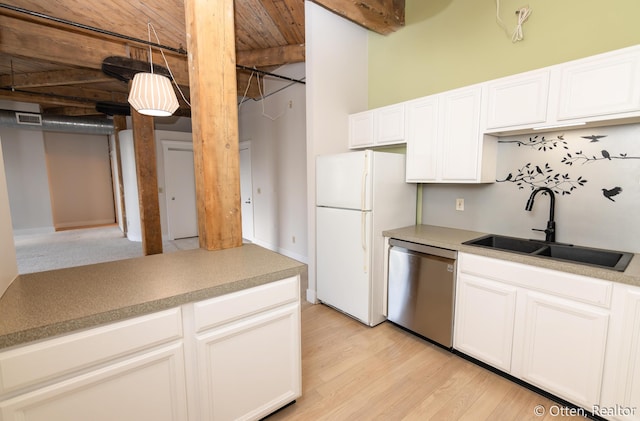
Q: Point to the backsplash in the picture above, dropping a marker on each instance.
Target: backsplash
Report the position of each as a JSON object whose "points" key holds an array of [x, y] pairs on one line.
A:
{"points": [[594, 173]]}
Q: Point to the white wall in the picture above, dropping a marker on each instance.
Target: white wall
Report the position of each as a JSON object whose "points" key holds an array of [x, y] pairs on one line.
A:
{"points": [[27, 180], [337, 79], [276, 130], [583, 215], [8, 265]]}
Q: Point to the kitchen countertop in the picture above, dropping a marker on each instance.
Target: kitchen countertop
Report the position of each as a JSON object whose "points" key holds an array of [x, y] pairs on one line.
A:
{"points": [[452, 238], [44, 304]]}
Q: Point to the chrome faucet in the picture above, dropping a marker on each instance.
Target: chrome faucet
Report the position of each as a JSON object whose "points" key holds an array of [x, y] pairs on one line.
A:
{"points": [[550, 231]]}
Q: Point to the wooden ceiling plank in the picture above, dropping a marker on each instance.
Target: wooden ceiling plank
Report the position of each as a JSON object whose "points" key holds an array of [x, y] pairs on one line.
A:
{"points": [[288, 16], [381, 16], [276, 56], [263, 31]]}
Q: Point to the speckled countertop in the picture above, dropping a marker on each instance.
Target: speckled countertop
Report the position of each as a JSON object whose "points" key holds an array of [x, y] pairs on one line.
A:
{"points": [[45, 304], [451, 238]]}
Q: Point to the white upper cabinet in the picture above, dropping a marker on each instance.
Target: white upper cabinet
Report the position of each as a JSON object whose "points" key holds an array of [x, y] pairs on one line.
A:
{"points": [[603, 85], [422, 139], [361, 130], [444, 142], [518, 100], [595, 91], [377, 127]]}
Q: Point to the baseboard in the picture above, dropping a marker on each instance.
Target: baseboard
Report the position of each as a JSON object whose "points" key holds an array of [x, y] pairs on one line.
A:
{"points": [[311, 296], [288, 253], [34, 231]]}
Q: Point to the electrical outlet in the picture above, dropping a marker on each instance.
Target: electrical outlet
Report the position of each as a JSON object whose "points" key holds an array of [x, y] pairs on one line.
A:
{"points": [[293, 239], [459, 204]]}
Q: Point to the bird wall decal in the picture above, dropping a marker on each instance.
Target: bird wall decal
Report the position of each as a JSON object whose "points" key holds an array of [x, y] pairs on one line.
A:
{"points": [[606, 154], [609, 193], [594, 138]]}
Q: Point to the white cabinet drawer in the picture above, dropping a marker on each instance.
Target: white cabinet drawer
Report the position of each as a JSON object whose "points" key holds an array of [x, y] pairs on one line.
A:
{"points": [[576, 287], [226, 308], [45, 360]]}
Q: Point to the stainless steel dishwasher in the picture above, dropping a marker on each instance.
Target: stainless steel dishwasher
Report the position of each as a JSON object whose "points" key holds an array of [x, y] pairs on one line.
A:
{"points": [[422, 290]]}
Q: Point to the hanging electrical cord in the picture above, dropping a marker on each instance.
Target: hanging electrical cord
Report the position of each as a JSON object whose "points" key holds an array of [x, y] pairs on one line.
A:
{"points": [[264, 114], [150, 25], [523, 14]]}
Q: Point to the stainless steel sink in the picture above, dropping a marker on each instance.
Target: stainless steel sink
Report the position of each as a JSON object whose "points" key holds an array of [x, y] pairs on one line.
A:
{"points": [[609, 259]]}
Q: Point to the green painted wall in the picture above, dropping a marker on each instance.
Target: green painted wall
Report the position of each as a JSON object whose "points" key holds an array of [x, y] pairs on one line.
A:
{"points": [[447, 44]]}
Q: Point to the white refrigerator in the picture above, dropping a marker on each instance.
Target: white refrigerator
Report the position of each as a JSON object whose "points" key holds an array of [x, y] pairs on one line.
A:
{"points": [[358, 195]]}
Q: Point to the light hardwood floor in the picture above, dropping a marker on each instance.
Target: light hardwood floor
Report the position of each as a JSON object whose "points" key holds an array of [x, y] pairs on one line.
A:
{"points": [[354, 372]]}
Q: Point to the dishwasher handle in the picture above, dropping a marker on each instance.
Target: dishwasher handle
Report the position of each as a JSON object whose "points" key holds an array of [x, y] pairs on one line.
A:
{"points": [[422, 248]]}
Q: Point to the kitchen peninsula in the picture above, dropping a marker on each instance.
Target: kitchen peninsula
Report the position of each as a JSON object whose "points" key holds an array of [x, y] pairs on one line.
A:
{"points": [[175, 330]]}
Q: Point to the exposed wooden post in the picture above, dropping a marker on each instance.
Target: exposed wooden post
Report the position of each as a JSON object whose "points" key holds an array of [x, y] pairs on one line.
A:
{"points": [[120, 123], [214, 118], [145, 151]]}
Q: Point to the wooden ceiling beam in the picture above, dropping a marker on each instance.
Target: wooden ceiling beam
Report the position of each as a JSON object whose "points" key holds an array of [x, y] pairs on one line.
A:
{"points": [[54, 78], [381, 16], [72, 48], [44, 100], [276, 56]]}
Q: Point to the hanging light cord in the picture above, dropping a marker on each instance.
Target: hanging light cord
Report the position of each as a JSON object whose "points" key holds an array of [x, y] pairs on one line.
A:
{"points": [[523, 14], [151, 28]]}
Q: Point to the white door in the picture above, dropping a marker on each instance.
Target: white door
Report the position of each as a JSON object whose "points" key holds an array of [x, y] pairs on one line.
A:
{"points": [[180, 184], [246, 190], [343, 242]]}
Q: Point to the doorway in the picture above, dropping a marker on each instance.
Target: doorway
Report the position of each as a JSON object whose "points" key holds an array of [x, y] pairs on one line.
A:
{"points": [[180, 189], [246, 191]]}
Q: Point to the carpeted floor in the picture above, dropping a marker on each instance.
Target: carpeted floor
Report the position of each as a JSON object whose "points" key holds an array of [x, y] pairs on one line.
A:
{"points": [[36, 253]]}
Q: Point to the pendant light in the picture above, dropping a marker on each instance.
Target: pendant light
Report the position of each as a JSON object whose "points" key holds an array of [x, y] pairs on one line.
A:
{"points": [[152, 94]]}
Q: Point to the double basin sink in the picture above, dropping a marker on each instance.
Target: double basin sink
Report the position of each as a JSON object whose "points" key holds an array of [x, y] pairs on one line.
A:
{"points": [[608, 259]]}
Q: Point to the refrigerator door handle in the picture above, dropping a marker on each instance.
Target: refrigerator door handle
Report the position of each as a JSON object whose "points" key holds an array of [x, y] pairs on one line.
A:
{"points": [[363, 188], [363, 237]]}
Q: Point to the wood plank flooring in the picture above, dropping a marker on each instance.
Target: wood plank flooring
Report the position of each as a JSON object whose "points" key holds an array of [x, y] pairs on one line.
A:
{"points": [[354, 372]]}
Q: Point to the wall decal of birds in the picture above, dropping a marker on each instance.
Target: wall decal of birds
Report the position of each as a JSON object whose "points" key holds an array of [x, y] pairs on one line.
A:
{"points": [[609, 193], [606, 154], [593, 137]]}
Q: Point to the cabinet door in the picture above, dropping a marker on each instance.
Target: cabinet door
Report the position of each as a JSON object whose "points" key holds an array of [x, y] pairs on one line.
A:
{"points": [[485, 313], [518, 100], [461, 144], [389, 124], [361, 130], [422, 139], [563, 347], [601, 85], [251, 367], [628, 393], [150, 386]]}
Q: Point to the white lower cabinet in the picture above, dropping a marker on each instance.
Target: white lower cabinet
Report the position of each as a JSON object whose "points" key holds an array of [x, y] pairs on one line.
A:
{"points": [[233, 357], [247, 352], [545, 327], [149, 386], [621, 385], [250, 368], [485, 314], [563, 347]]}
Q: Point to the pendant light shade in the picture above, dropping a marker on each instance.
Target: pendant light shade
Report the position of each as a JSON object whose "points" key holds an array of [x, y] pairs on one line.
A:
{"points": [[152, 94]]}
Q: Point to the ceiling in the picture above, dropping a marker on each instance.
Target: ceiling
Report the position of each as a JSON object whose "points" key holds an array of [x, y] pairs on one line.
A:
{"points": [[52, 52]]}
